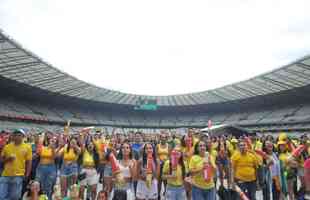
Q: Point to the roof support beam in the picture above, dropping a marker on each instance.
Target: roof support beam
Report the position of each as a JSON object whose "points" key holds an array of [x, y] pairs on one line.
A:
{"points": [[55, 87], [53, 83], [254, 90], [307, 67], [74, 90], [14, 59], [26, 71], [220, 96], [43, 80], [8, 51], [262, 86], [243, 89], [297, 73], [8, 68], [288, 79], [101, 95], [278, 83], [193, 99]]}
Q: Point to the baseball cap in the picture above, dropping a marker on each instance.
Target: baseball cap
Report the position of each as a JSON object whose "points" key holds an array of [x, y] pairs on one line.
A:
{"points": [[18, 131]]}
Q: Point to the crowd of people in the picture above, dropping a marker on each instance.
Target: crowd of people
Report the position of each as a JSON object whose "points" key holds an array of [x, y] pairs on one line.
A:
{"points": [[90, 164]]}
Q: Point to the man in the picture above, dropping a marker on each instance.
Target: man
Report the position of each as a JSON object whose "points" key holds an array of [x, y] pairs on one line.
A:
{"points": [[17, 159], [136, 150], [137, 145], [244, 165]]}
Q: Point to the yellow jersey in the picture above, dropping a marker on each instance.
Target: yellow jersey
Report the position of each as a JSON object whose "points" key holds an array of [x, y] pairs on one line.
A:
{"points": [[197, 164], [22, 153], [46, 155], [163, 152], [178, 181], [69, 156], [88, 159], [245, 166]]}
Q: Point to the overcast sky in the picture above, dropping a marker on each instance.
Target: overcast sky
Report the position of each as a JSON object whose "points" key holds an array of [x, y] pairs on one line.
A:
{"points": [[161, 47]]}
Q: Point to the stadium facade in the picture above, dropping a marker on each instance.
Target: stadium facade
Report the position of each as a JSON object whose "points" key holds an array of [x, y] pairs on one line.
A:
{"points": [[36, 94]]}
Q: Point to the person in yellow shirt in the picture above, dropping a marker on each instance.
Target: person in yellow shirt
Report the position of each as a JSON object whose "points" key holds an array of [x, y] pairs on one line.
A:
{"points": [[289, 173], [187, 147], [34, 191], [232, 146], [69, 170], [202, 169], [17, 159], [101, 144], [89, 172], [46, 172], [162, 151], [175, 177], [244, 166]]}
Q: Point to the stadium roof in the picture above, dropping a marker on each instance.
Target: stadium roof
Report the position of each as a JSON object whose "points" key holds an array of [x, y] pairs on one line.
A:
{"points": [[21, 65]]}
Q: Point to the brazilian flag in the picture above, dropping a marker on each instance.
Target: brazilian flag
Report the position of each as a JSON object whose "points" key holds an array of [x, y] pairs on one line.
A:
{"points": [[283, 178]]}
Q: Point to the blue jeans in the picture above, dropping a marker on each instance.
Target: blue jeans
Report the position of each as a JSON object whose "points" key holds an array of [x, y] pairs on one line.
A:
{"points": [[69, 169], [203, 194], [175, 193], [249, 188], [46, 175], [11, 187], [107, 171]]}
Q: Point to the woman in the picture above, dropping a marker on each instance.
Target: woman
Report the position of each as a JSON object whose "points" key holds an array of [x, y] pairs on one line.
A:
{"points": [[222, 161], [102, 195], [288, 172], [187, 145], [273, 175], [107, 175], [101, 145], [162, 151], [128, 170], [46, 172], [89, 172], [203, 186], [34, 192], [69, 170], [175, 175], [145, 191]]}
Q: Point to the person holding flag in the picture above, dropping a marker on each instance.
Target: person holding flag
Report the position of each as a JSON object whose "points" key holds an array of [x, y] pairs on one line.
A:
{"points": [[148, 171], [202, 168], [174, 171]]}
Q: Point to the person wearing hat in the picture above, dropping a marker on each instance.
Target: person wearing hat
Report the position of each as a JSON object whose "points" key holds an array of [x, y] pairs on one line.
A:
{"points": [[288, 173], [232, 146], [16, 157]]}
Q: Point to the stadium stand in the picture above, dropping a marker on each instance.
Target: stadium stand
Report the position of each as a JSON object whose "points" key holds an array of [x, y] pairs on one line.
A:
{"points": [[36, 94]]}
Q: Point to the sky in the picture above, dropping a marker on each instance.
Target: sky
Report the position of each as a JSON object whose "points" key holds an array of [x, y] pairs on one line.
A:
{"points": [[161, 47]]}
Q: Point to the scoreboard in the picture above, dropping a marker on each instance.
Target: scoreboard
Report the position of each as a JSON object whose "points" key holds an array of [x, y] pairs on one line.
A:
{"points": [[146, 104]]}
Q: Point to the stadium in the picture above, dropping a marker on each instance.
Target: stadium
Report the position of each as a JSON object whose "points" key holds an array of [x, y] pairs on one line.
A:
{"points": [[36, 94]]}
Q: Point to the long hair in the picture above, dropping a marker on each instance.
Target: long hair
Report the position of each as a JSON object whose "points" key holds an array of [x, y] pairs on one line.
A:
{"points": [[120, 155], [144, 155], [93, 152], [181, 162], [264, 147], [196, 148], [120, 195], [28, 188], [69, 144], [218, 148], [46, 141]]}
